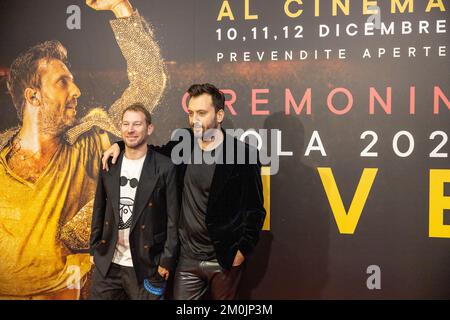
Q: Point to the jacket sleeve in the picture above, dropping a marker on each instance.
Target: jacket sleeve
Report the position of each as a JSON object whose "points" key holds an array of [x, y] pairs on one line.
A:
{"points": [[169, 255], [98, 214], [255, 212]]}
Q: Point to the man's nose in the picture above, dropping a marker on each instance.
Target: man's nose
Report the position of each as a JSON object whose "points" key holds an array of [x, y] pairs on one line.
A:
{"points": [[75, 91]]}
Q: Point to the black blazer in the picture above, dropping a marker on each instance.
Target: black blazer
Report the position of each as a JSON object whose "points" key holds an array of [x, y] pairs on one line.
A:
{"points": [[235, 212], [153, 232]]}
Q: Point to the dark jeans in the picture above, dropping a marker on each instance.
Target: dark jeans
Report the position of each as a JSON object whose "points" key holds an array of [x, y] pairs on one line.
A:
{"points": [[119, 284], [195, 280]]}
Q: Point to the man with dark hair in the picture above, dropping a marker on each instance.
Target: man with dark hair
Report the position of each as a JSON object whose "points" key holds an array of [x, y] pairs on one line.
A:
{"points": [[50, 162], [134, 225], [222, 209]]}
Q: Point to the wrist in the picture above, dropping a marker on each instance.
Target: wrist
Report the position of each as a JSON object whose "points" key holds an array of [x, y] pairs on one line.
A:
{"points": [[123, 9]]}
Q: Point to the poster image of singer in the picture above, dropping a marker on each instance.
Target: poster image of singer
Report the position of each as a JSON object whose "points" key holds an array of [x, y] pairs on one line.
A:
{"points": [[49, 162]]}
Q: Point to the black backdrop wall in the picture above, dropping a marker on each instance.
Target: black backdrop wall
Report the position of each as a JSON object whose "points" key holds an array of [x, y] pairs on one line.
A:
{"points": [[393, 82]]}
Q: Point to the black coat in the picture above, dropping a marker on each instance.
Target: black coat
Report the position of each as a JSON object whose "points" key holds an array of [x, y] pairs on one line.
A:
{"points": [[153, 232], [235, 212]]}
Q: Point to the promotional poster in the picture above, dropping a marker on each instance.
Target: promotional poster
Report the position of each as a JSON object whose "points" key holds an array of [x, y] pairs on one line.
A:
{"points": [[346, 100]]}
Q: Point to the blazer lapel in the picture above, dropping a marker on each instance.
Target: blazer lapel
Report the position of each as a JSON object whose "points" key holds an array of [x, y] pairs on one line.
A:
{"points": [[221, 174], [147, 182], [114, 186]]}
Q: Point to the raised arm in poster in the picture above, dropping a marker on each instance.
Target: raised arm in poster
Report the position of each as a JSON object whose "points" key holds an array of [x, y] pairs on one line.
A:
{"points": [[50, 161]]}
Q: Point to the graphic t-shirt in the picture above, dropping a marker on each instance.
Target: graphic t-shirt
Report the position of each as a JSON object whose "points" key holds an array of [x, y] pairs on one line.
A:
{"points": [[129, 179]]}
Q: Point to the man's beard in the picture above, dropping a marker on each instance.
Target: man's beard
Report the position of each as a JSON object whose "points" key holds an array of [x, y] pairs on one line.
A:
{"points": [[207, 132], [136, 144], [52, 123]]}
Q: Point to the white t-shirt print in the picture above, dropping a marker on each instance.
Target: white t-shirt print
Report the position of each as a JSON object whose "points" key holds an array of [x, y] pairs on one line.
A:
{"points": [[129, 179]]}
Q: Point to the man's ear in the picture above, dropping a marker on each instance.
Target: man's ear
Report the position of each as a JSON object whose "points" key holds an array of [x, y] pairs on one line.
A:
{"points": [[150, 129], [33, 97], [220, 115]]}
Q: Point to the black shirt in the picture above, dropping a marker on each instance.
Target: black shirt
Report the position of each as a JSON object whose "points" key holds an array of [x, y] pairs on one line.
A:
{"points": [[194, 237]]}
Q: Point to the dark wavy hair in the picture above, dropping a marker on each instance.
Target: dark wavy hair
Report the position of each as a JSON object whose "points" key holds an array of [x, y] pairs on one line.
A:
{"points": [[217, 96]]}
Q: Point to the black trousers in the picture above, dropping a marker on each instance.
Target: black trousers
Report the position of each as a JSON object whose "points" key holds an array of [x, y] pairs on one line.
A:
{"points": [[195, 280], [119, 284]]}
